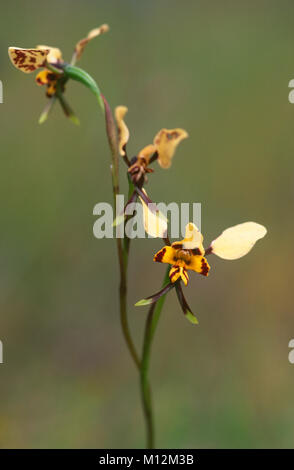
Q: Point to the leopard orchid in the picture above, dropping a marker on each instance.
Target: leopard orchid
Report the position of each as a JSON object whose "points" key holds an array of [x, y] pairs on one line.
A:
{"points": [[49, 63], [189, 254]]}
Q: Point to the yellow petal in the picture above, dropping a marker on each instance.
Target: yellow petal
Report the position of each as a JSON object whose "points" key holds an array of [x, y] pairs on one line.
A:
{"points": [[43, 77], [199, 264], [176, 272], [165, 255], [237, 241], [193, 239], [166, 142], [155, 223], [123, 131], [51, 90], [80, 46], [28, 60], [55, 54], [146, 153]]}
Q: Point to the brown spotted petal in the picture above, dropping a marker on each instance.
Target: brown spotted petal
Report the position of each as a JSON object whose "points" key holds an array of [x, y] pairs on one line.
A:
{"points": [[166, 142], [80, 46], [123, 131], [28, 60]]}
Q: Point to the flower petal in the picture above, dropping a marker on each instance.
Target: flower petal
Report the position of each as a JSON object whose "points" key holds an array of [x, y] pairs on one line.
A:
{"points": [[199, 264], [166, 142], [237, 241], [193, 239], [177, 272], [80, 46], [146, 153], [155, 223], [43, 77], [165, 255], [123, 131], [28, 60], [54, 56]]}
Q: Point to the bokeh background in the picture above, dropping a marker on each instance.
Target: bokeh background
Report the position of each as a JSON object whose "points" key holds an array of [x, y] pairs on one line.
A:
{"points": [[221, 71]]}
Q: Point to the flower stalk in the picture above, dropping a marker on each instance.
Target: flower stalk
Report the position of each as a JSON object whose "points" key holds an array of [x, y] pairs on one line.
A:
{"points": [[181, 256], [150, 327]]}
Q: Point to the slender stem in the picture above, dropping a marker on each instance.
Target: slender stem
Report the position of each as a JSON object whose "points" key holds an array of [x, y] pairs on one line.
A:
{"points": [[123, 251], [150, 327]]}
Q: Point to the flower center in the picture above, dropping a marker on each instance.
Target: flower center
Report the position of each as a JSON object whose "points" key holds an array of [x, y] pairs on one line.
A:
{"points": [[183, 255]]}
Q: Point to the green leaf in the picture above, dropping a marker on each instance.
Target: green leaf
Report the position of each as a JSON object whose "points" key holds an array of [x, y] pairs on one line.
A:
{"points": [[143, 302], [80, 75], [191, 317], [155, 297]]}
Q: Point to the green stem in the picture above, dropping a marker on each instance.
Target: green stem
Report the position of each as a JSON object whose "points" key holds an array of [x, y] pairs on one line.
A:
{"points": [[150, 327], [123, 250], [75, 73]]}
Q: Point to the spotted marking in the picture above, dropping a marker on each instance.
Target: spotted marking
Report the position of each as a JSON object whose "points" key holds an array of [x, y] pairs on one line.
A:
{"points": [[159, 256]]}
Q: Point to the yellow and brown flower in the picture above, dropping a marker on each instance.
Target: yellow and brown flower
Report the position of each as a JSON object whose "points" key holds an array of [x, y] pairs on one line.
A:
{"points": [[184, 255], [188, 254], [162, 149], [49, 60]]}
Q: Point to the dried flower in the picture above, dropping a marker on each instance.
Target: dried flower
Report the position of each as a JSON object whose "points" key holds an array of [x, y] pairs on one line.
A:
{"points": [[163, 148]]}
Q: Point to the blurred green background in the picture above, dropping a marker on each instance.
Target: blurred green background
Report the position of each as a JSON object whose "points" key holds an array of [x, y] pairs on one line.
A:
{"points": [[221, 71]]}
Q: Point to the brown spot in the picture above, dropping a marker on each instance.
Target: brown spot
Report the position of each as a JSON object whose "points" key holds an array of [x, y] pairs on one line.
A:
{"points": [[196, 251], [158, 257], [172, 135], [177, 245], [204, 267], [186, 274]]}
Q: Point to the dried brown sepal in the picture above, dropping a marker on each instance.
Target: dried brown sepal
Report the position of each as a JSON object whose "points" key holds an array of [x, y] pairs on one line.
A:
{"points": [[166, 142], [123, 131], [80, 46]]}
